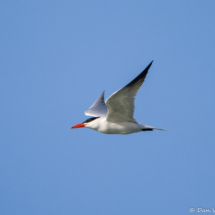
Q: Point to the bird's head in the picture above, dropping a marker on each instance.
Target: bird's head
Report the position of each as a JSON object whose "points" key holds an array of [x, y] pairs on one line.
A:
{"points": [[86, 123]]}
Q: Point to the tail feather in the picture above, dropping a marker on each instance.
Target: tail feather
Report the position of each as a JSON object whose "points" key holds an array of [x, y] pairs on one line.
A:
{"points": [[161, 129], [147, 129], [150, 128]]}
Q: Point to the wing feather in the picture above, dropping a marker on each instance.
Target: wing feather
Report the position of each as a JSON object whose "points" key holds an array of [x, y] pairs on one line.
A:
{"points": [[98, 108], [121, 103]]}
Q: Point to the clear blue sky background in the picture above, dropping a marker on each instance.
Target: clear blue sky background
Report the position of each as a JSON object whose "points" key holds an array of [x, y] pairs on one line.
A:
{"points": [[56, 59]]}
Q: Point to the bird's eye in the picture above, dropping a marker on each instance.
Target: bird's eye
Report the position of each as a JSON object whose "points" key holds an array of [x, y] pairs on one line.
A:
{"points": [[90, 120]]}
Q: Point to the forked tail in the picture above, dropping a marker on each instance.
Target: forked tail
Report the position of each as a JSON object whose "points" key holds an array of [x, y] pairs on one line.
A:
{"points": [[149, 128]]}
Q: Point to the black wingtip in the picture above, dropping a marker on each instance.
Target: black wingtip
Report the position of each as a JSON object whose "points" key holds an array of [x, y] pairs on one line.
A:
{"points": [[147, 68], [141, 76], [150, 63]]}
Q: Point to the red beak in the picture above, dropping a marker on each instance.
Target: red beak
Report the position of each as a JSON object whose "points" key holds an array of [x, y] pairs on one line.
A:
{"points": [[78, 125]]}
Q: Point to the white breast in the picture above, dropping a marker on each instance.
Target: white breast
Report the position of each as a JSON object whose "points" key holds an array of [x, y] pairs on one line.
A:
{"points": [[104, 126]]}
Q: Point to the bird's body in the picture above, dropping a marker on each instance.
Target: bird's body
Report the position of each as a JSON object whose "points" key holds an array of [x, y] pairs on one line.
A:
{"points": [[102, 125], [106, 127], [115, 116]]}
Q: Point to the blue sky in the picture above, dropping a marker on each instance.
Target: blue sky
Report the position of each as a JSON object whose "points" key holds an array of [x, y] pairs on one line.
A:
{"points": [[56, 59]]}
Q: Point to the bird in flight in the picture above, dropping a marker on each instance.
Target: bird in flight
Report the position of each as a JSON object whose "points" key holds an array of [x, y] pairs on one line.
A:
{"points": [[115, 115]]}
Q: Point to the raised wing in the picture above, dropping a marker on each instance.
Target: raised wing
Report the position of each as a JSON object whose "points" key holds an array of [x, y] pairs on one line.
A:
{"points": [[99, 107], [121, 103]]}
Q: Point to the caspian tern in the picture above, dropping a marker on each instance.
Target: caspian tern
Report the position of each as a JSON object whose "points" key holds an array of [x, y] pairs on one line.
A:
{"points": [[115, 116]]}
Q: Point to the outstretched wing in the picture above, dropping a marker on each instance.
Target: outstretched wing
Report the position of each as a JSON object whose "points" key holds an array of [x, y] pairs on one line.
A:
{"points": [[121, 103], [99, 107]]}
